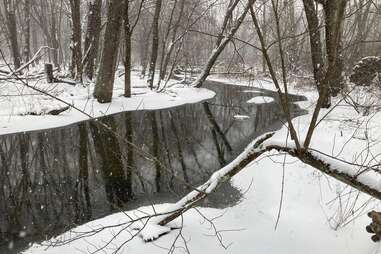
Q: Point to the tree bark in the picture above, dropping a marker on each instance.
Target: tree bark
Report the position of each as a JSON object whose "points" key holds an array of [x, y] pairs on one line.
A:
{"points": [[334, 18], [315, 41], [54, 32], [26, 51], [76, 47], [127, 45], [106, 73], [260, 146], [92, 37], [167, 56], [10, 16], [155, 43]]}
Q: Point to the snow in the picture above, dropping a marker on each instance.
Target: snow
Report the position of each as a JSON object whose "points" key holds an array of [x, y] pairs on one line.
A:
{"points": [[256, 83], [318, 215], [241, 117], [17, 101], [260, 100], [152, 231]]}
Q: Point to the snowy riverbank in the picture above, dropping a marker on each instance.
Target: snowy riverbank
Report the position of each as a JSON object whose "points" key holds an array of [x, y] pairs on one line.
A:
{"points": [[17, 102], [318, 215]]}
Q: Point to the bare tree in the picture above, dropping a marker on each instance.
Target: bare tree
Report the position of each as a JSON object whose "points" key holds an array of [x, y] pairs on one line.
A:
{"points": [[128, 31], [92, 37], [48, 18], [106, 72], [155, 43], [26, 51], [10, 7], [224, 37], [76, 47]]}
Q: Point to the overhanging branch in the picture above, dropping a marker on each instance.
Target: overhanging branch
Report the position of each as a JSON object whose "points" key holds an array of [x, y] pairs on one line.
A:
{"points": [[341, 172]]}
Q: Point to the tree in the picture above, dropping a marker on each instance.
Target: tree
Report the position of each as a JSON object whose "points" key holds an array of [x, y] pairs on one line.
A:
{"points": [[155, 43], [325, 53], [167, 53], [222, 38], [47, 17], [334, 17], [265, 143], [92, 37], [26, 51], [106, 73], [10, 7], [76, 47], [128, 31]]}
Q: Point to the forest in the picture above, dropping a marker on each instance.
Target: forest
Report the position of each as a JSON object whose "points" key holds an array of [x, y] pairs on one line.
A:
{"points": [[190, 126]]}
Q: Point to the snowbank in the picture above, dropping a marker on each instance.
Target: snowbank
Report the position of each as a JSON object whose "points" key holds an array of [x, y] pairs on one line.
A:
{"points": [[318, 215], [17, 102]]}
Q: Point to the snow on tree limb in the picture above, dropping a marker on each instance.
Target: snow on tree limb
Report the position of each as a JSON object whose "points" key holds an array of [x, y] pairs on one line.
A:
{"points": [[364, 179]]}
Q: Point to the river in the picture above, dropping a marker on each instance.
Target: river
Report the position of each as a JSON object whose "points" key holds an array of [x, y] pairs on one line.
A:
{"points": [[55, 179]]}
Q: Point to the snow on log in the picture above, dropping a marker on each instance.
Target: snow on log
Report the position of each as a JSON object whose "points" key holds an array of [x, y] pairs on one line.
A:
{"points": [[252, 152], [46, 111], [364, 179]]}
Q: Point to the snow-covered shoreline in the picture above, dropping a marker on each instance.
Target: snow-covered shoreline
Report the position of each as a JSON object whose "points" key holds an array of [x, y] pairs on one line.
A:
{"points": [[13, 106], [314, 206]]}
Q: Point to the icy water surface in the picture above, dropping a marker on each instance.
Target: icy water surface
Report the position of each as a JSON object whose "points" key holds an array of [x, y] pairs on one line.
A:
{"points": [[53, 180]]}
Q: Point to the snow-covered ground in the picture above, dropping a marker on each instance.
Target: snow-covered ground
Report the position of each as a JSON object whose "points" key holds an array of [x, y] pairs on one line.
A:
{"points": [[17, 101], [318, 214]]}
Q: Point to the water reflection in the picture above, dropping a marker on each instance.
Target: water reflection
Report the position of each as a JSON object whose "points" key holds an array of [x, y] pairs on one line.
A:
{"points": [[53, 180]]}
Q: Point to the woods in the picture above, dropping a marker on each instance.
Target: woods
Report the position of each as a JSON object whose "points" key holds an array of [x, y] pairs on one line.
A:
{"points": [[331, 55], [315, 63]]}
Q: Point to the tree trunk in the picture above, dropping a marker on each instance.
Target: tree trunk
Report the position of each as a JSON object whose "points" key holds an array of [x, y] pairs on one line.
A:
{"points": [[164, 42], [92, 37], [167, 57], [144, 52], [127, 45], [76, 47], [264, 29], [258, 147], [155, 43], [315, 42], [10, 16], [26, 51], [54, 42], [49, 73], [334, 18], [106, 74]]}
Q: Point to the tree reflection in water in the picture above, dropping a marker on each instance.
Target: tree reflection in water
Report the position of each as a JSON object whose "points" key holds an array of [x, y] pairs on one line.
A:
{"points": [[55, 179]]}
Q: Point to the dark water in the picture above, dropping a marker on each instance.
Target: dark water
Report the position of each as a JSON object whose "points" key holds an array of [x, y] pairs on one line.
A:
{"points": [[52, 180]]}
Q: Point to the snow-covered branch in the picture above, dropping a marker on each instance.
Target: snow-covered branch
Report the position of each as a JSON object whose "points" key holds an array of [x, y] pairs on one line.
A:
{"points": [[364, 179]]}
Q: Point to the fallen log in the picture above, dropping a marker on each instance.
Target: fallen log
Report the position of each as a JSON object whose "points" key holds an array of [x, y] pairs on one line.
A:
{"points": [[365, 179], [53, 112], [51, 79]]}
